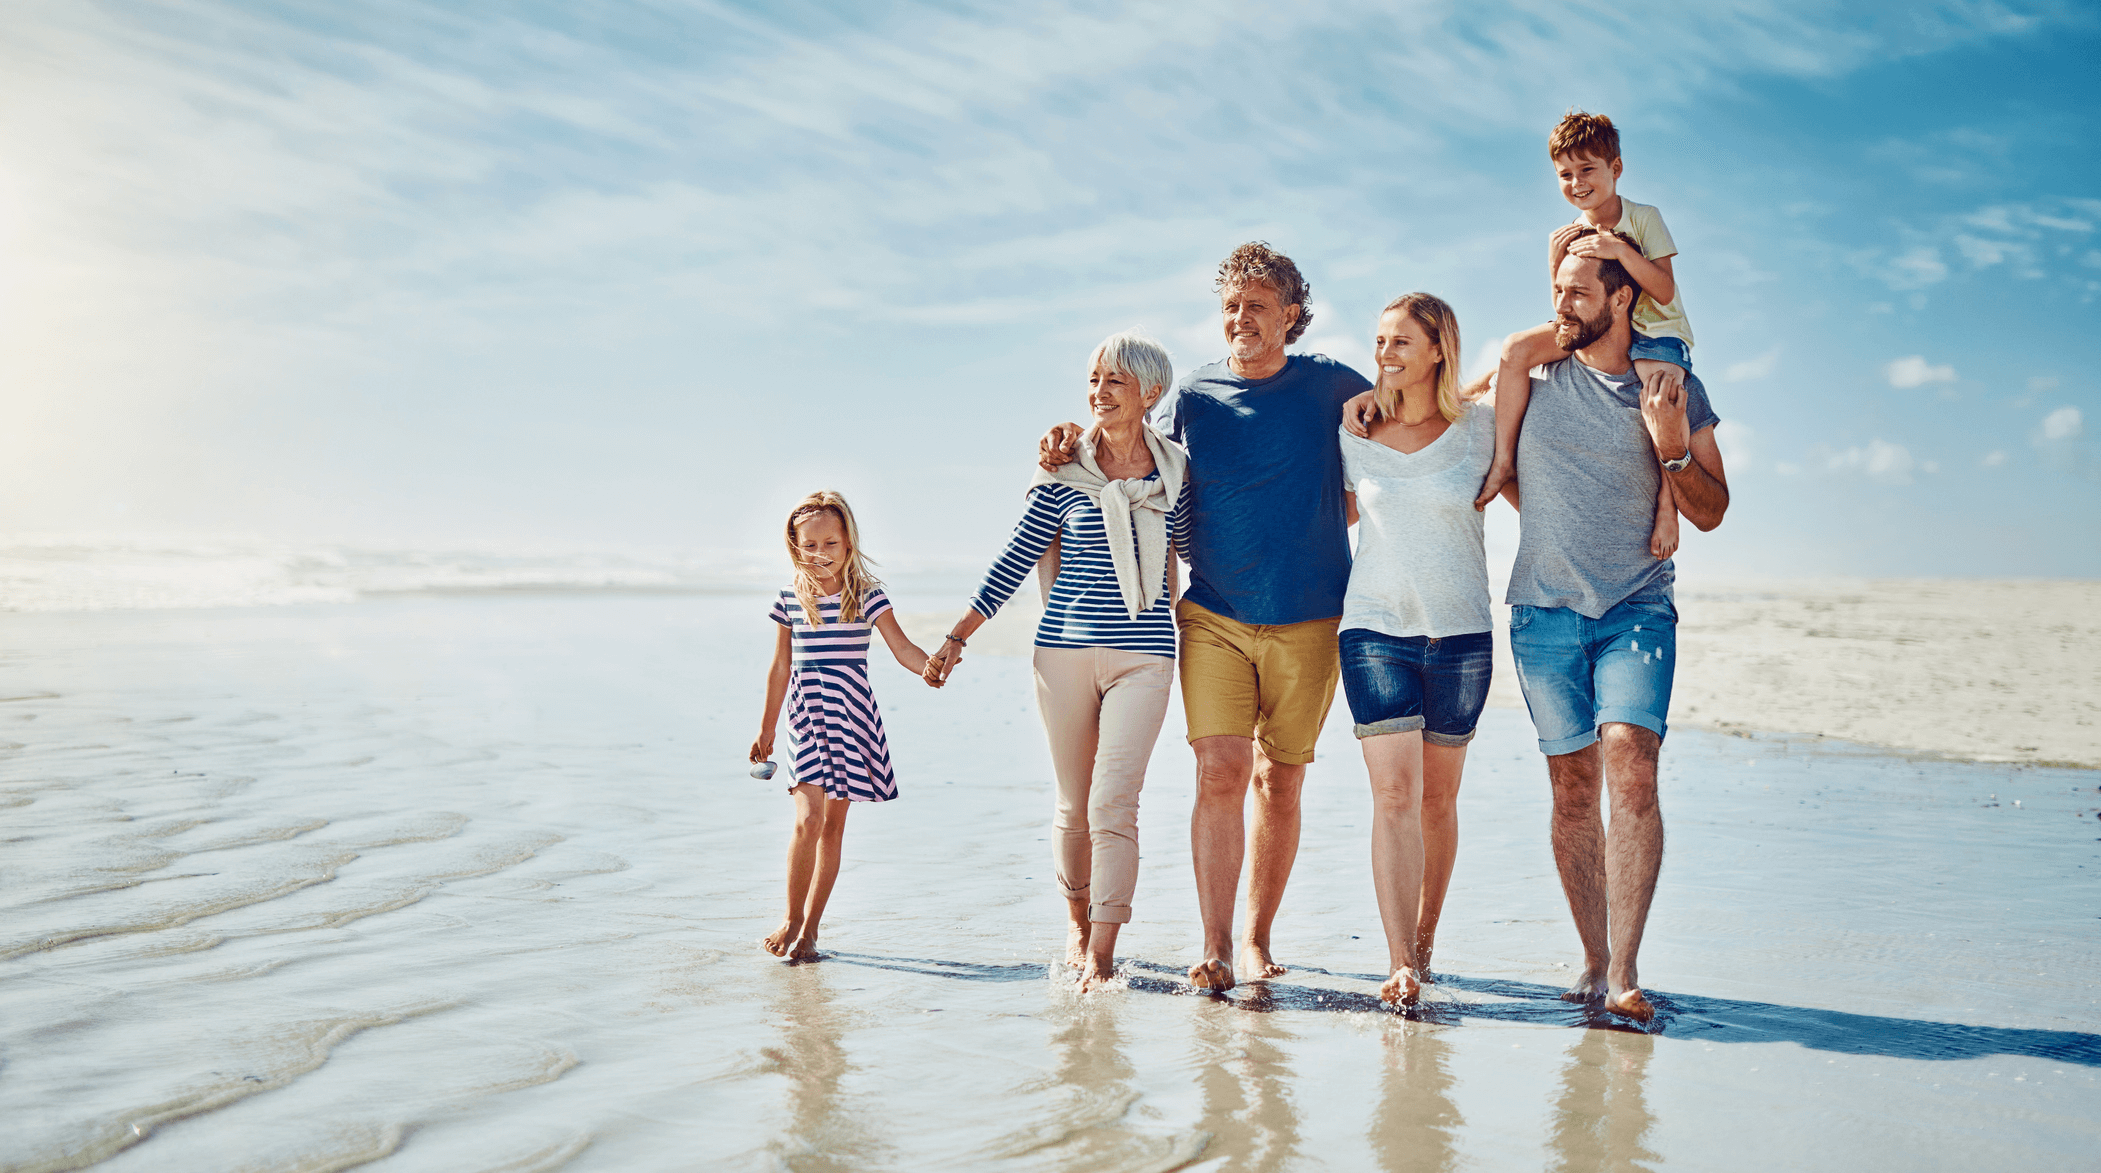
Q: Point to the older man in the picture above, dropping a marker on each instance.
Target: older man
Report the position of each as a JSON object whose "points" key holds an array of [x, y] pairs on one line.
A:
{"points": [[1269, 560], [1592, 622]]}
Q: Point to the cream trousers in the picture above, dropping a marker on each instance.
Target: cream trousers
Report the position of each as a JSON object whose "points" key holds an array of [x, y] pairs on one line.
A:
{"points": [[1102, 709]]}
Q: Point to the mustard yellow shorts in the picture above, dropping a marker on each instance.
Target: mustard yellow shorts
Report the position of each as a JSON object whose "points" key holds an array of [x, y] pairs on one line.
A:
{"points": [[1273, 683]]}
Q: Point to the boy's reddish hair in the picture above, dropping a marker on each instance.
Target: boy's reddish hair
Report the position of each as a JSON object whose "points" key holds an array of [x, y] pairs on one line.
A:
{"points": [[1579, 134]]}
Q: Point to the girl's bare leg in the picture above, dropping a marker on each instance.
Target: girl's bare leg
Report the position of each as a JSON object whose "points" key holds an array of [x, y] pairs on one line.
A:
{"points": [[823, 876], [1395, 761], [1442, 765], [802, 860]]}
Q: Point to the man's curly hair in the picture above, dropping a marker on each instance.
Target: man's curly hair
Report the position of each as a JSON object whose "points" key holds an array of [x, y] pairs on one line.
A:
{"points": [[1256, 261]]}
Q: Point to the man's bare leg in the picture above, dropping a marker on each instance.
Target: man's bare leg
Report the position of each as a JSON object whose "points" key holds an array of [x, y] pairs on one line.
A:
{"points": [[1578, 834], [1395, 763], [1276, 849], [1442, 767], [1633, 858], [1217, 841]]}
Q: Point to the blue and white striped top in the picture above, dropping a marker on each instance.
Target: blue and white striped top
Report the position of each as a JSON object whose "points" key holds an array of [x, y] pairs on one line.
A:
{"points": [[1085, 608], [834, 642]]}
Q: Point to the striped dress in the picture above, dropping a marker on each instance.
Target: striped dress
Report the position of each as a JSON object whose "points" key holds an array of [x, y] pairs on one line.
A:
{"points": [[1085, 608], [832, 718]]}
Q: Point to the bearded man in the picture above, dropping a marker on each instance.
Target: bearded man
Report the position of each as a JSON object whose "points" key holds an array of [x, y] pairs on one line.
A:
{"points": [[1592, 622]]}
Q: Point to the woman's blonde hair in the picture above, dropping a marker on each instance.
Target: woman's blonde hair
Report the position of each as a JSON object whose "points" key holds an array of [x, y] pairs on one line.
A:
{"points": [[855, 581], [1437, 319]]}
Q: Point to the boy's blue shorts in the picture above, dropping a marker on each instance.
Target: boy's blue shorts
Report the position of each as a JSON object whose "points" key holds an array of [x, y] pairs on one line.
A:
{"points": [[1661, 350]]}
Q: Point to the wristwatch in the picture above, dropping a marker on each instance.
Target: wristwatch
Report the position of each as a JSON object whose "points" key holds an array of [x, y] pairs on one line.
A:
{"points": [[1679, 464]]}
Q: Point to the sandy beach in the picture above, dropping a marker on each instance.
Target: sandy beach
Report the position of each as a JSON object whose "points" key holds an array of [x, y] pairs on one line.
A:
{"points": [[475, 883]]}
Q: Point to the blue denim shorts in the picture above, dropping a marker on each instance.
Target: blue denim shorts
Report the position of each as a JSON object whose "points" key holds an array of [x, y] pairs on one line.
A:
{"points": [[1398, 684], [1579, 673], [1661, 350]]}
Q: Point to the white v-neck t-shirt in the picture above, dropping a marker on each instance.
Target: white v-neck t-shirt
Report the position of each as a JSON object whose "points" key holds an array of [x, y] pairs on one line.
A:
{"points": [[1422, 562]]}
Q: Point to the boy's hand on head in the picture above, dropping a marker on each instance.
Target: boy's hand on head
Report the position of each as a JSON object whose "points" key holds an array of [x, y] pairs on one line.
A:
{"points": [[1600, 246], [1561, 237]]}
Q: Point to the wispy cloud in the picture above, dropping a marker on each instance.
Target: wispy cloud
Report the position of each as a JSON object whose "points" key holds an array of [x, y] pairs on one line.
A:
{"points": [[1914, 371]]}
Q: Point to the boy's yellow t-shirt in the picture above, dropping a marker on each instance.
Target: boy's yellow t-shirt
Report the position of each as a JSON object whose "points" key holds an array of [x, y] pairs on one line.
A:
{"points": [[1645, 224]]}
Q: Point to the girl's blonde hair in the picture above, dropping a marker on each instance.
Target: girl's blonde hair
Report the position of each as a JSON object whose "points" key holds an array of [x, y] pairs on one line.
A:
{"points": [[855, 581], [1437, 319]]}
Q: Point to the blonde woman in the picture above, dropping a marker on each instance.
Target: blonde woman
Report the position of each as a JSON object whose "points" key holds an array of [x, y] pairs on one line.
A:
{"points": [[1415, 644], [1110, 521]]}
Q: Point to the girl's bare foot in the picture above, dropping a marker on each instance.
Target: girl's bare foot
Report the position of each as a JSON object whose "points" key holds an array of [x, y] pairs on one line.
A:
{"points": [[1629, 1003], [1588, 988], [1256, 961], [804, 949], [1402, 988], [1098, 971], [779, 941], [1211, 974], [1422, 966]]}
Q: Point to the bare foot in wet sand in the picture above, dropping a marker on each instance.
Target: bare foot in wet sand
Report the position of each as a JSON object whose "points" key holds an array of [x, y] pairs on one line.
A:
{"points": [[1076, 946], [1256, 961], [781, 939], [1422, 971], [804, 949], [1211, 974], [1402, 988], [1098, 972], [1629, 1003], [1588, 988]]}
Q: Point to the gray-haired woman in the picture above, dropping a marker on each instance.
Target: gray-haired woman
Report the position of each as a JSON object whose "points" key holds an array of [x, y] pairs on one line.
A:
{"points": [[1111, 522]]}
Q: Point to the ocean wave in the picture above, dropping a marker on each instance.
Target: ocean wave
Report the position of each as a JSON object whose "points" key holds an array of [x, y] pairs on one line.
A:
{"points": [[76, 574]]}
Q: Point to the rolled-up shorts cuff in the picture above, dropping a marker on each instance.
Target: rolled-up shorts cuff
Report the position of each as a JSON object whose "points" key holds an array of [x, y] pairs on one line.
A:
{"points": [[1281, 756], [1627, 716], [1433, 737], [1391, 725], [1108, 914], [1555, 749]]}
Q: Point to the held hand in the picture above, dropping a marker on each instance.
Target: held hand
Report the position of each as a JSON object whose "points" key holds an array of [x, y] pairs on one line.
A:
{"points": [[1358, 412], [1663, 410], [1056, 446], [940, 664], [762, 749]]}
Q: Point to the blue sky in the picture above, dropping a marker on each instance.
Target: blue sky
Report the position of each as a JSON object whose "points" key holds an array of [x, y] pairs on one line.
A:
{"points": [[640, 274]]}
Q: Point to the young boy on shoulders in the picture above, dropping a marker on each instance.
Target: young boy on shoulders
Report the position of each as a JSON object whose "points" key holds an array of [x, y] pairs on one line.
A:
{"points": [[1586, 153]]}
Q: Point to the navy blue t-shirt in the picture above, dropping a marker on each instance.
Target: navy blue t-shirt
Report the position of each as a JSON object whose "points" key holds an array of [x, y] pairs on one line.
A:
{"points": [[1268, 542]]}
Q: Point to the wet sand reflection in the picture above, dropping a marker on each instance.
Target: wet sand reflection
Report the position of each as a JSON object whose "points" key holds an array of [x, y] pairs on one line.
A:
{"points": [[1416, 1125], [823, 1130], [1245, 1075], [1601, 1119]]}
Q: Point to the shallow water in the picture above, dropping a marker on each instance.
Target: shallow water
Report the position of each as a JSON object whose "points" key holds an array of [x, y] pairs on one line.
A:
{"points": [[474, 883]]}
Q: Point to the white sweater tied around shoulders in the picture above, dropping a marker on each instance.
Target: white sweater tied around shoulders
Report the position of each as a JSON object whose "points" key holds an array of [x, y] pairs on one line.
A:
{"points": [[1141, 572]]}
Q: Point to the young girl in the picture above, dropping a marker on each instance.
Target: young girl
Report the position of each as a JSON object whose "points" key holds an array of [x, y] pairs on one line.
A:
{"points": [[821, 661]]}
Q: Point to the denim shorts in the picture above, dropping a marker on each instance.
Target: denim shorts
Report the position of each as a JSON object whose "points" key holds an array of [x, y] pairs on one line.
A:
{"points": [[1579, 673], [1398, 684], [1660, 350]]}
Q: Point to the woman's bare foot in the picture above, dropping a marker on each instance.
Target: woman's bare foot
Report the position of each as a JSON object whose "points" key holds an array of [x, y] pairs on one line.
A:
{"points": [[1211, 974], [1422, 965], [804, 949], [1098, 972], [779, 941], [1256, 961], [1402, 988], [1588, 988], [1076, 946], [1629, 1003]]}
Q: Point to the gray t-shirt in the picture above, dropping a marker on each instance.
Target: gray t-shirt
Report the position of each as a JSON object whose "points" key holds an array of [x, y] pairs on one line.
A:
{"points": [[1586, 472], [1421, 566]]}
